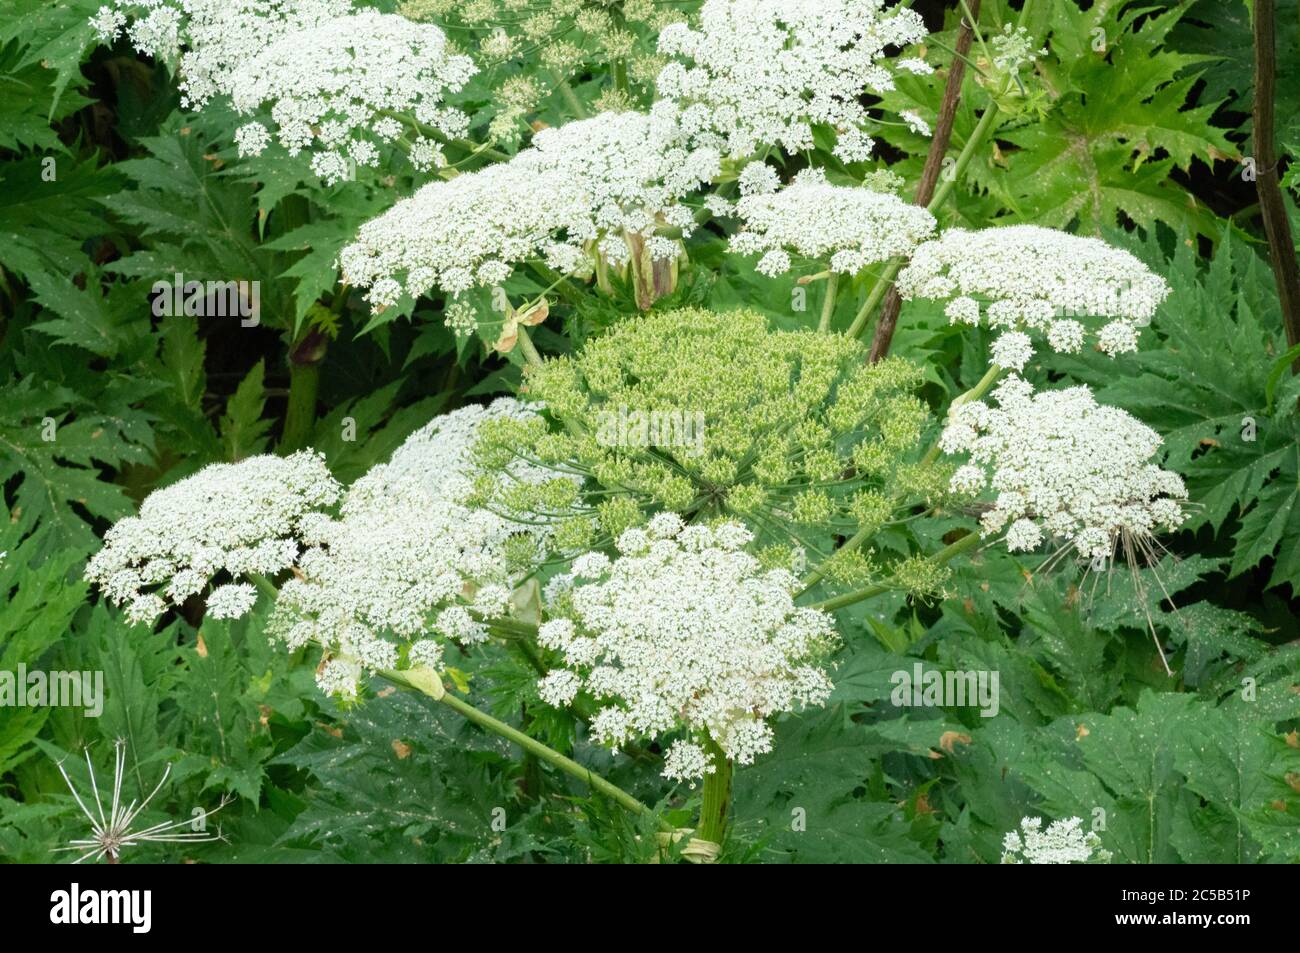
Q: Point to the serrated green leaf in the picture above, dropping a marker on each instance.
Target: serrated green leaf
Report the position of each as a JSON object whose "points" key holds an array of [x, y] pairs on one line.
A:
{"points": [[243, 431]]}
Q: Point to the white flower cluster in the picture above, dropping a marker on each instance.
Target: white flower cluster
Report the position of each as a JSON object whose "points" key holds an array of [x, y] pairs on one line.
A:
{"points": [[765, 72], [1062, 465], [589, 181], [1038, 279], [215, 35], [685, 630], [331, 79], [853, 227], [1064, 842], [234, 518], [1013, 49], [404, 557], [345, 81]]}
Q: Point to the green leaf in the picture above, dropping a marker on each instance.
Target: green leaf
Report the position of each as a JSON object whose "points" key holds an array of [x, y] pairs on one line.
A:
{"points": [[101, 322], [44, 220], [803, 796], [243, 431], [1174, 778], [57, 34], [27, 96], [196, 223], [400, 783], [39, 595], [51, 440]]}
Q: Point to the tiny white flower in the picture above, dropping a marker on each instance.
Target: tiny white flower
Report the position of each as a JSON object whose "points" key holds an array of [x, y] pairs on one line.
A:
{"points": [[849, 227], [915, 122], [1037, 280], [686, 761], [232, 518], [756, 73]]}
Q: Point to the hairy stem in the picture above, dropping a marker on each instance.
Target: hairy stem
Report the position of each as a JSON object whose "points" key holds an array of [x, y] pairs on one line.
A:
{"points": [[530, 350], [714, 812], [305, 359]]}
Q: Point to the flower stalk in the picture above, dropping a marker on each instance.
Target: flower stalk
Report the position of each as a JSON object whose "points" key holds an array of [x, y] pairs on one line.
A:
{"points": [[716, 807], [434, 689], [304, 387], [895, 265], [828, 304]]}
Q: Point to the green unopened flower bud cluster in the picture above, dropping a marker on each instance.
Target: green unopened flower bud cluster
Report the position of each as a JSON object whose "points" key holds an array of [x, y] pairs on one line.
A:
{"points": [[563, 35], [715, 414]]}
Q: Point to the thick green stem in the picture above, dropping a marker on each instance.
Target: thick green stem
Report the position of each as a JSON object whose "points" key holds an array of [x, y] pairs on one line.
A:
{"points": [[982, 387], [530, 350], [715, 811], [982, 130], [852, 543], [300, 415], [828, 305], [892, 267], [532, 746]]}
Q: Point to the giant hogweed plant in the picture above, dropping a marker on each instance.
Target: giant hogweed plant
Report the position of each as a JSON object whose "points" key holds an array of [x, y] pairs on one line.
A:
{"points": [[672, 593], [685, 517]]}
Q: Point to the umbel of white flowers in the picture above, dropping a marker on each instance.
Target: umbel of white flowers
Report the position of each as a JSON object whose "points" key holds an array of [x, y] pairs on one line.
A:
{"points": [[852, 227], [761, 73], [214, 35], [1023, 278], [342, 82], [232, 519], [406, 560], [591, 181], [1063, 842], [685, 631], [332, 80], [1062, 465]]}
